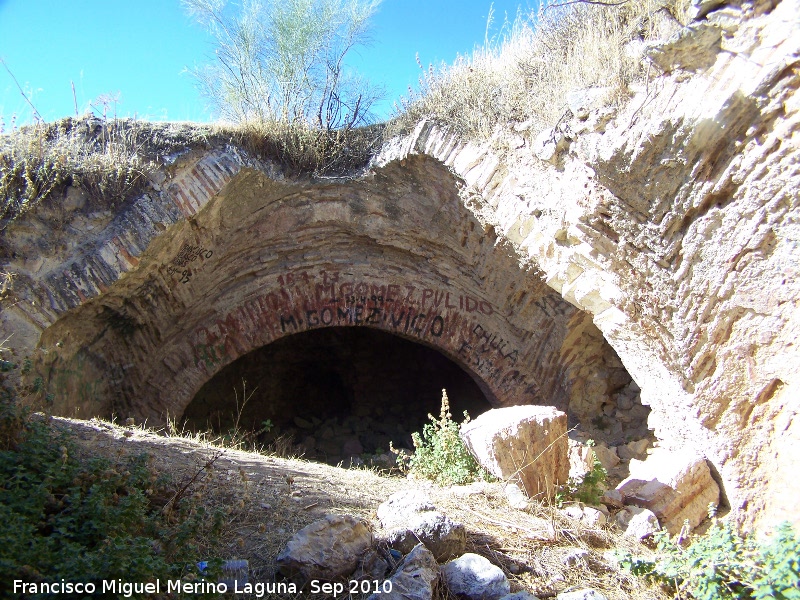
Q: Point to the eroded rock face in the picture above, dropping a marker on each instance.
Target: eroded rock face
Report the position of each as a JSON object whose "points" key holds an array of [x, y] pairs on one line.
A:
{"points": [[667, 229]]}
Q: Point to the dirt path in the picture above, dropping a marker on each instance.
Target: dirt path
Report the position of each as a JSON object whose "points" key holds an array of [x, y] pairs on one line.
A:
{"points": [[268, 499]]}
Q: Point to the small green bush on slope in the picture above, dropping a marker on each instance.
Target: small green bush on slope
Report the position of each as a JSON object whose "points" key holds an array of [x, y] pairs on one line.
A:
{"points": [[91, 519], [724, 565], [588, 489]]}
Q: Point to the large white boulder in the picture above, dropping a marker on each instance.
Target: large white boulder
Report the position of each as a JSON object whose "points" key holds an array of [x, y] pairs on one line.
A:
{"points": [[523, 444]]}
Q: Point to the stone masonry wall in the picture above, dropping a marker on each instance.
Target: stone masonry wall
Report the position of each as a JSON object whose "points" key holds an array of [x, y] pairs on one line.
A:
{"points": [[672, 224]]}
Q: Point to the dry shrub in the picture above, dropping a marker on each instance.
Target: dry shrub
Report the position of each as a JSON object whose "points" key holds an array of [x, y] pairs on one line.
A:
{"points": [[524, 73], [104, 158], [112, 159], [299, 148]]}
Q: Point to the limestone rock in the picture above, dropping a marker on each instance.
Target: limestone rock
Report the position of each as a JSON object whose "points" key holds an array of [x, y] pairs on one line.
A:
{"points": [[473, 577], [526, 443], [401, 506], [575, 557], [548, 144], [415, 577], [638, 523], [372, 566], [635, 449], [326, 549], [700, 8], [587, 594], [692, 48], [587, 514], [581, 459], [613, 498], [516, 497], [607, 456], [411, 518], [676, 486], [523, 595], [594, 516], [582, 101]]}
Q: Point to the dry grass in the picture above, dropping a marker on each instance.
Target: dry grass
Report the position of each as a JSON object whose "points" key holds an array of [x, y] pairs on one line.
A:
{"points": [[38, 161], [267, 499], [308, 150], [524, 73]]}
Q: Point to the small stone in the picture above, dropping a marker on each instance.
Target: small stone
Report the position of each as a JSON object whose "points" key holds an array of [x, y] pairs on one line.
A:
{"points": [[326, 549], [700, 8], [586, 594], [573, 511], [411, 518], [516, 497], [613, 498], [415, 577], [635, 449], [638, 523], [607, 456], [593, 516], [472, 576], [575, 557], [401, 505], [372, 567], [549, 144]]}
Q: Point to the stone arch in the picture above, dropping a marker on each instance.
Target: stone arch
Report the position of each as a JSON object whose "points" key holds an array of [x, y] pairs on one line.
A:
{"points": [[265, 257]]}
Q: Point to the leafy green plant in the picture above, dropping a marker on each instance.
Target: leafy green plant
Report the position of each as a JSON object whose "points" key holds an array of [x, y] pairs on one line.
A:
{"points": [[523, 73], [440, 454], [724, 564], [588, 489], [81, 519]]}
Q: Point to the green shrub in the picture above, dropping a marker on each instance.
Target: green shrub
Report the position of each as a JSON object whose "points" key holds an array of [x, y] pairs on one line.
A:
{"points": [[440, 454], [589, 489], [93, 519], [723, 564]]}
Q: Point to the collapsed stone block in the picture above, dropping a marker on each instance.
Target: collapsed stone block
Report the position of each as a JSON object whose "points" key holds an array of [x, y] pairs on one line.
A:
{"points": [[676, 486], [524, 444], [636, 522]]}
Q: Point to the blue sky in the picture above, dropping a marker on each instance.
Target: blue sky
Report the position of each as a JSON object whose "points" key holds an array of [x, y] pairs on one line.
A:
{"points": [[138, 50]]}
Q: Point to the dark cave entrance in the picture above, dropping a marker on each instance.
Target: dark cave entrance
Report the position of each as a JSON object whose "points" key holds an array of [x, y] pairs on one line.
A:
{"points": [[336, 392]]}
